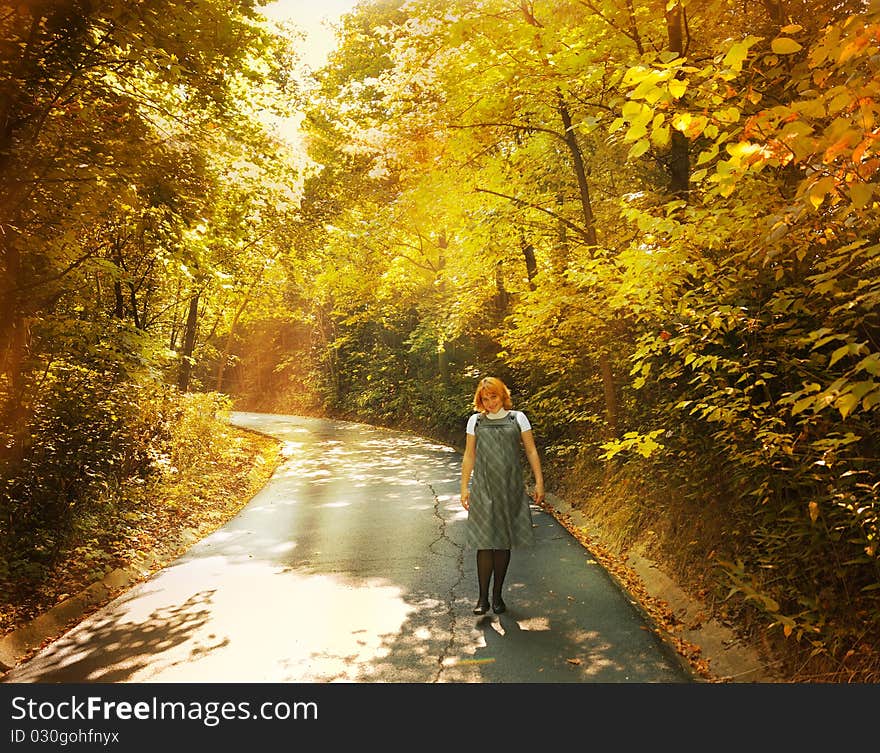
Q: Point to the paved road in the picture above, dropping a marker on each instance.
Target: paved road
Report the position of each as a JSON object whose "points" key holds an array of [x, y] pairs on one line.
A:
{"points": [[350, 565]]}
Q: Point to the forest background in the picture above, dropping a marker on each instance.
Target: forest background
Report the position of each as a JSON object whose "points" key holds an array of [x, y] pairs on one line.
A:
{"points": [[657, 221]]}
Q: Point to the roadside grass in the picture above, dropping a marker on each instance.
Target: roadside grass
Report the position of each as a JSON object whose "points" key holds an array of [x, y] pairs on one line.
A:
{"points": [[148, 525]]}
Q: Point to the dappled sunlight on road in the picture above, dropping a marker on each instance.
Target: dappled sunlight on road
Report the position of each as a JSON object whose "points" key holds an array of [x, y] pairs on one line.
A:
{"points": [[258, 622], [113, 647], [533, 624]]}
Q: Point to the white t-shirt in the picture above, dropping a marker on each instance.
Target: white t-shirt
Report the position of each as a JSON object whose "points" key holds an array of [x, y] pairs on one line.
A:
{"points": [[521, 419]]}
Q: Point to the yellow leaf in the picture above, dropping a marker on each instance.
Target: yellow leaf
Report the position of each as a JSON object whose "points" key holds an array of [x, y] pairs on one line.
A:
{"points": [[636, 112], [814, 511], [851, 49], [728, 115], [708, 154], [743, 150], [846, 403], [636, 132], [843, 99], [681, 121], [573, 661], [678, 87], [787, 630], [843, 142], [639, 148], [737, 53], [690, 125], [860, 194], [784, 46], [820, 189], [661, 135]]}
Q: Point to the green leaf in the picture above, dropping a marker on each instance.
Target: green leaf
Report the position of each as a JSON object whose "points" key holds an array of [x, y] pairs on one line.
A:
{"points": [[636, 132]]}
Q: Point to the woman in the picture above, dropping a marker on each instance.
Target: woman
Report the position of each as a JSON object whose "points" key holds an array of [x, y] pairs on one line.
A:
{"points": [[499, 517]]}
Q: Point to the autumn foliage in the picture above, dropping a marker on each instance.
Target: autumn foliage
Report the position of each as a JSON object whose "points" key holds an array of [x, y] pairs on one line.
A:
{"points": [[656, 219]]}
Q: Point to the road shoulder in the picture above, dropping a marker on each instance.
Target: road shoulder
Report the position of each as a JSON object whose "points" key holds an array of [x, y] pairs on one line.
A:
{"points": [[713, 650]]}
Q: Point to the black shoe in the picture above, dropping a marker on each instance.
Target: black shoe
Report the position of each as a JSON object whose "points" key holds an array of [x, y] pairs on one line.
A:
{"points": [[482, 607], [498, 605]]}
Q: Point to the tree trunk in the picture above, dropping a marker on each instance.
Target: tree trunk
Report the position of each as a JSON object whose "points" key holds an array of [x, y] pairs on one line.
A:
{"points": [[175, 323], [443, 363], [577, 159], [607, 373], [442, 353], [14, 345], [679, 152], [119, 300], [776, 11], [224, 356], [528, 251], [561, 248], [325, 334], [189, 344], [610, 389], [502, 299], [634, 28]]}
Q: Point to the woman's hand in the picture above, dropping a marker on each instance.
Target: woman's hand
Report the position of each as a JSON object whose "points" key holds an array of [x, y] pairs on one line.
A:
{"points": [[466, 500], [538, 495]]}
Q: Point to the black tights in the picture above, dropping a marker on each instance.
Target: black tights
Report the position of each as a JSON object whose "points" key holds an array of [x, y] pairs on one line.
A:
{"points": [[491, 561]]}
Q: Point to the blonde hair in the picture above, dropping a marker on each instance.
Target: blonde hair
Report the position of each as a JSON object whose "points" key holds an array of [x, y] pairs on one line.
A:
{"points": [[492, 384]]}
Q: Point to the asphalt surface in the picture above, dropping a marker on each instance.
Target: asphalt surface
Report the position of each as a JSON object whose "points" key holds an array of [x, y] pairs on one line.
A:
{"points": [[350, 565]]}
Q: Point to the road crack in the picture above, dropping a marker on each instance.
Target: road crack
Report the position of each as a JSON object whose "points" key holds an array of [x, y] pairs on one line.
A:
{"points": [[450, 597]]}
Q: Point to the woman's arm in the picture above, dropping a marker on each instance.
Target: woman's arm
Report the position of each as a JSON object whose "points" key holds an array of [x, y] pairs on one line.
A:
{"points": [[528, 440], [467, 467]]}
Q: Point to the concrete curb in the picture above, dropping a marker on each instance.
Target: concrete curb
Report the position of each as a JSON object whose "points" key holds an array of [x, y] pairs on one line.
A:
{"points": [[17, 645]]}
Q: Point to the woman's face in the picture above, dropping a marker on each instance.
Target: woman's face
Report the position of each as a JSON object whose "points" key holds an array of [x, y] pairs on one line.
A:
{"points": [[491, 401]]}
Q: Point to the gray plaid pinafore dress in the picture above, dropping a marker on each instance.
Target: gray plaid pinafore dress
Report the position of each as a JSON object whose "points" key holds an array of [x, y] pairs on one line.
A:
{"points": [[499, 516]]}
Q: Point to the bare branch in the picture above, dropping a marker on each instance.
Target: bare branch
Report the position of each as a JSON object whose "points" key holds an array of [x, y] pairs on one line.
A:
{"points": [[631, 33], [513, 126], [521, 202]]}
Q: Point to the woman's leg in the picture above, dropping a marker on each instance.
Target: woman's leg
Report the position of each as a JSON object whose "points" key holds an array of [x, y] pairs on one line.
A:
{"points": [[500, 561], [485, 564]]}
